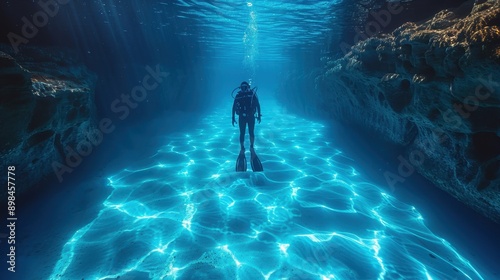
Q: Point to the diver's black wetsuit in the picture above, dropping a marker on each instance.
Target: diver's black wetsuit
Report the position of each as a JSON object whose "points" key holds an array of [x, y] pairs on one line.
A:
{"points": [[245, 105]]}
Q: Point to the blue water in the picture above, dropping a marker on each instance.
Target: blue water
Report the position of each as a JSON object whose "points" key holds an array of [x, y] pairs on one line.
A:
{"points": [[181, 212], [161, 199], [258, 30]]}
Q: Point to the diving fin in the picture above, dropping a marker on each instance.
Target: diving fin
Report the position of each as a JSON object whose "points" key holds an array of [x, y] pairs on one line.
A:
{"points": [[255, 161], [241, 162]]}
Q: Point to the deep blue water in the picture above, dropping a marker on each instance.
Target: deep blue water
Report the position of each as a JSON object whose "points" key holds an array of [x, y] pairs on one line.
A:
{"points": [[179, 211], [160, 199]]}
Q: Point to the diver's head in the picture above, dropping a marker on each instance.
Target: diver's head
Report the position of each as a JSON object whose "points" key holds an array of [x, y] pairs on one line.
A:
{"points": [[244, 86]]}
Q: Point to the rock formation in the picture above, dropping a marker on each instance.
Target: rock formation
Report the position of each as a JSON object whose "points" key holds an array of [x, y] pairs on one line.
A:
{"points": [[434, 88], [47, 108]]}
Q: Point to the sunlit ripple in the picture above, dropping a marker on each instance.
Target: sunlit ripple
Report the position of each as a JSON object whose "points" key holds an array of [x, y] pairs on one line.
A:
{"points": [[283, 26], [185, 214]]}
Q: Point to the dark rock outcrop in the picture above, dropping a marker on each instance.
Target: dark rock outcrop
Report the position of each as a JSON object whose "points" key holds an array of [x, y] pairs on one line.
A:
{"points": [[46, 106], [433, 88]]}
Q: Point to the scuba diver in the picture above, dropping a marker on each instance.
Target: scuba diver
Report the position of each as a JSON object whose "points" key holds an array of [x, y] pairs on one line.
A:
{"points": [[246, 105]]}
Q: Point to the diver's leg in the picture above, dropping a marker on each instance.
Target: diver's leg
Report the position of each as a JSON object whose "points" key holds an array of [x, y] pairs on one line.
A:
{"points": [[251, 126], [243, 125]]}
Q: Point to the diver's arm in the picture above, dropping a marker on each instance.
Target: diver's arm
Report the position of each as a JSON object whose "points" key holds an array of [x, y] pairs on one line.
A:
{"points": [[258, 107], [233, 120], [234, 108]]}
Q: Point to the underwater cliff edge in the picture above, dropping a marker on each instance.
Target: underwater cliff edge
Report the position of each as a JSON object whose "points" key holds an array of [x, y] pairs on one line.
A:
{"points": [[47, 104], [434, 89]]}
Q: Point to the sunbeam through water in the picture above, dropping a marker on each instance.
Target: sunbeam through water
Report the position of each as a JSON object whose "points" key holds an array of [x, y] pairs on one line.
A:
{"points": [[376, 126]]}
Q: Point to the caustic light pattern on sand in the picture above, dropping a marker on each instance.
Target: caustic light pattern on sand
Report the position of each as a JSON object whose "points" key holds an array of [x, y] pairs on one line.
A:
{"points": [[184, 213]]}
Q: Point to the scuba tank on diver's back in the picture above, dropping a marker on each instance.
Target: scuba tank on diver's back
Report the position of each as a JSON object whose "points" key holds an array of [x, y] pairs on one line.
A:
{"points": [[245, 100]]}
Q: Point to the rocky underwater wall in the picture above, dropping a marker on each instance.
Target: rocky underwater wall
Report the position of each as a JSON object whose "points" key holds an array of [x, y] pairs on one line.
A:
{"points": [[47, 109], [433, 88]]}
